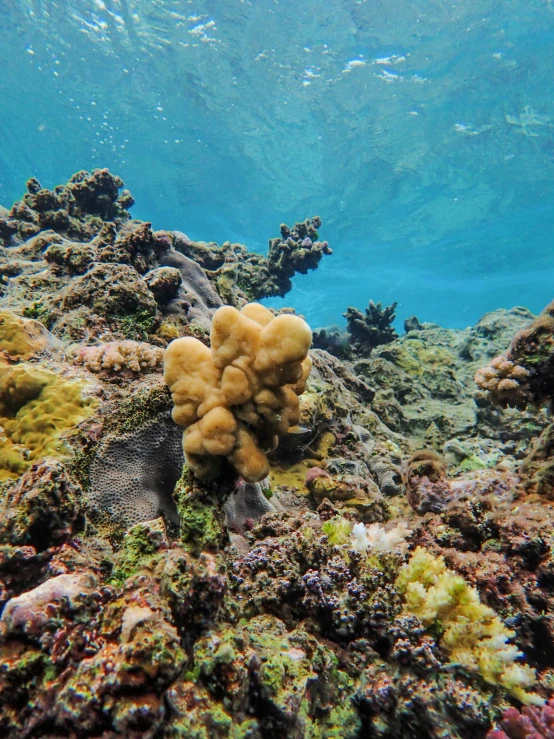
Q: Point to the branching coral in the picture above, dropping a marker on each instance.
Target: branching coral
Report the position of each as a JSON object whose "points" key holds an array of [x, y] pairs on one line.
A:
{"points": [[298, 250], [532, 723], [374, 328], [236, 399], [75, 209], [472, 634], [233, 265], [505, 382], [525, 375], [118, 356]]}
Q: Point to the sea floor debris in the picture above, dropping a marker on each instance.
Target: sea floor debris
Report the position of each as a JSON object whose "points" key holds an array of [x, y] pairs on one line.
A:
{"points": [[393, 575]]}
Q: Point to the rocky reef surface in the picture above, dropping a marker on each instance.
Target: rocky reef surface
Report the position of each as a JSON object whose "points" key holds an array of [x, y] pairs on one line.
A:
{"points": [[391, 578]]}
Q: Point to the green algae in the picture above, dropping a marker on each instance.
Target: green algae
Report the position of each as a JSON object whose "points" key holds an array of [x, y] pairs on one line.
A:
{"points": [[337, 530], [139, 550], [201, 516], [471, 464]]}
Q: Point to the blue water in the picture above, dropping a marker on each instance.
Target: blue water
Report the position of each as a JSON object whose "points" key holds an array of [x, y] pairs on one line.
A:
{"points": [[422, 133]]}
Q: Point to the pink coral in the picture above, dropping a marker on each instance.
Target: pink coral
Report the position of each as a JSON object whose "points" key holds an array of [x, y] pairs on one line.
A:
{"points": [[505, 382], [532, 723], [118, 356]]}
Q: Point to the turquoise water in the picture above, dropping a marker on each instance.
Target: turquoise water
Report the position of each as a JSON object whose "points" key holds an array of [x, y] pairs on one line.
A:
{"points": [[421, 132]]}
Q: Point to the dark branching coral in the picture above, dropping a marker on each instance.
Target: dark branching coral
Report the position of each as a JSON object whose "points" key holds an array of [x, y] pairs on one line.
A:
{"points": [[412, 324], [374, 328], [298, 250], [233, 265], [133, 476], [332, 340], [76, 210]]}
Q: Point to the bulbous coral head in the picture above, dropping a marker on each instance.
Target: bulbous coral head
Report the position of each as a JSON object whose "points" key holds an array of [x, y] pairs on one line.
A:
{"points": [[235, 399]]}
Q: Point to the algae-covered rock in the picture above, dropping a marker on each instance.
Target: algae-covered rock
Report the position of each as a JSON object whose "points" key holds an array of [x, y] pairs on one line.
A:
{"points": [[42, 508], [296, 678]]}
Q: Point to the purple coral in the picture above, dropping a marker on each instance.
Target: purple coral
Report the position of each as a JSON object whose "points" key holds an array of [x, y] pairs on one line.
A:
{"points": [[534, 722]]}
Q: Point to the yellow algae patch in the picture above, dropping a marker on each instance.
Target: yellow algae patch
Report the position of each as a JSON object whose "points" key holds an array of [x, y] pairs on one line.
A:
{"points": [[295, 475], [21, 338], [35, 408], [414, 356], [292, 477]]}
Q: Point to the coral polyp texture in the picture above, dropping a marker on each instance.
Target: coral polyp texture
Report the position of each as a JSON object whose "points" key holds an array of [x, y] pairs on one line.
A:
{"points": [[236, 398], [35, 408], [359, 543]]}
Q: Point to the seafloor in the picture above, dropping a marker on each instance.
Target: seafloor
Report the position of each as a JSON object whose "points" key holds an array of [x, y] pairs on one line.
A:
{"points": [[392, 577]]}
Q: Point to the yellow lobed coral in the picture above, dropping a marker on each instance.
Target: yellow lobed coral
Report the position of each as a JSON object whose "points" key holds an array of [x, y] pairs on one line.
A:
{"points": [[21, 338], [35, 408], [238, 397], [473, 635]]}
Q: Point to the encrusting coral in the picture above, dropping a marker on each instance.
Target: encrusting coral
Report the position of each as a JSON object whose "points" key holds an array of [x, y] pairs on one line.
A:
{"points": [[471, 632], [238, 397], [22, 338]]}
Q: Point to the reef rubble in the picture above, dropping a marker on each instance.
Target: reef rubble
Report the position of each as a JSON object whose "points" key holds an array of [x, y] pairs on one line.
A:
{"points": [[384, 571]]}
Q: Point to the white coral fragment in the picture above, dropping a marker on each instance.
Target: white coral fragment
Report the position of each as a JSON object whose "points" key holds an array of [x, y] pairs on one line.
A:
{"points": [[378, 538]]}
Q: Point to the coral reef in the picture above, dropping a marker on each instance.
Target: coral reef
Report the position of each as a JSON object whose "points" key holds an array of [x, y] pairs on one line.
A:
{"points": [[378, 573], [471, 632]]}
